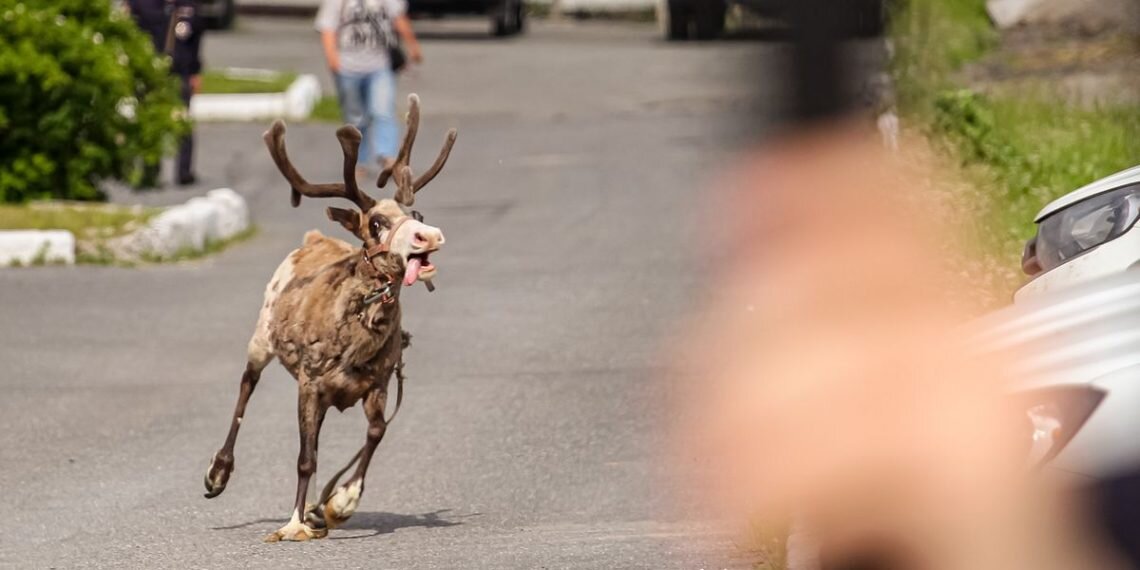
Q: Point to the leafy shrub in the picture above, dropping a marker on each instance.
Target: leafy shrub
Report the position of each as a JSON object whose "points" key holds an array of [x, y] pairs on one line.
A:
{"points": [[1035, 148], [969, 117], [83, 97], [933, 39]]}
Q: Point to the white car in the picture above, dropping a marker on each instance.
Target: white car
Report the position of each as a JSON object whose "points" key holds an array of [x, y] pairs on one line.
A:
{"points": [[1076, 364], [1074, 333]]}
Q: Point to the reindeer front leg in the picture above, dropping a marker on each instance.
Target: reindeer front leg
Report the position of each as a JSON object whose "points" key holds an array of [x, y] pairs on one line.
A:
{"points": [[310, 415], [342, 504]]}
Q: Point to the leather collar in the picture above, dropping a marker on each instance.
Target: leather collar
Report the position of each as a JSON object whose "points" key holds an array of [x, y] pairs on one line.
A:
{"points": [[382, 292]]}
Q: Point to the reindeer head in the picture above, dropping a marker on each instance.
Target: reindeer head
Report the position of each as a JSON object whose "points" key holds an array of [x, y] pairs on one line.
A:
{"points": [[391, 231]]}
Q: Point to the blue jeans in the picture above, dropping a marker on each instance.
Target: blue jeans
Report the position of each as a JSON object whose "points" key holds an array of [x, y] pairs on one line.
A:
{"points": [[368, 102]]}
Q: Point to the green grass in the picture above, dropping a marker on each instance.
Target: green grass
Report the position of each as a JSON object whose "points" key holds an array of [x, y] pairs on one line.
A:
{"points": [[538, 9], [80, 219], [326, 110], [1033, 150], [223, 82], [933, 39], [1017, 150]]}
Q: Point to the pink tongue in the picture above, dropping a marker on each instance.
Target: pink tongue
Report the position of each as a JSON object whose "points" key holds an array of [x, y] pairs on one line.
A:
{"points": [[412, 272]]}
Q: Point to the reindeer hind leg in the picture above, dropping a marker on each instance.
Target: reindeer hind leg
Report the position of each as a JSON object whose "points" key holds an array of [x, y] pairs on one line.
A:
{"points": [[342, 503]]}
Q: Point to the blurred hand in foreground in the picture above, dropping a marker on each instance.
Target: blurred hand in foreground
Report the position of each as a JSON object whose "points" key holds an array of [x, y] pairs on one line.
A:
{"points": [[835, 383]]}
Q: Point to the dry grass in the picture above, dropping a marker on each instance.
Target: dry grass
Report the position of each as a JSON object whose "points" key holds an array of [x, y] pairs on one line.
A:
{"points": [[81, 219], [966, 204], [1004, 155]]}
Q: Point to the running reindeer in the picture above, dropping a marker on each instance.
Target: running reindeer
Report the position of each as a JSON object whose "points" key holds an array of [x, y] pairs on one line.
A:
{"points": [[332, 317]]}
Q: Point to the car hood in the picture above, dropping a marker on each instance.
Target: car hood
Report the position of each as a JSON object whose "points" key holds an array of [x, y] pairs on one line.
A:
{"points": [[1073, 336]]}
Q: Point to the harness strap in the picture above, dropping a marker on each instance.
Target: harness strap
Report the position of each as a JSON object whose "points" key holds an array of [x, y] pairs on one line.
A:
{"points": [[386, 245], [382, 247], [386, 280], [400, 387]]}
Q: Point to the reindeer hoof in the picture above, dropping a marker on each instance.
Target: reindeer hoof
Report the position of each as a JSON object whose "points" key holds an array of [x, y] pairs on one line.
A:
{"points": [[315, 517], [218, 475], [341, 506], [296, 532]]}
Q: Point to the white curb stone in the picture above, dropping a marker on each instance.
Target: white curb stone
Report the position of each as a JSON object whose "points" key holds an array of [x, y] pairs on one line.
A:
{"points": [[296, 102], [571, 6], [25, 247], [1009, 13], [302, 96], [219, 215]]}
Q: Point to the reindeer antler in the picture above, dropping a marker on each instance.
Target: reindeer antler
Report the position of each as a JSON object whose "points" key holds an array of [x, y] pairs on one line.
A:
{"points": [[406, 188], [349, 138]]}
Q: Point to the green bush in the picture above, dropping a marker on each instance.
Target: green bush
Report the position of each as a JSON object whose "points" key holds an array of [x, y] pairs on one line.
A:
{"points": [[83, 97], [932, 40], [1036, 149], [969, 118]]}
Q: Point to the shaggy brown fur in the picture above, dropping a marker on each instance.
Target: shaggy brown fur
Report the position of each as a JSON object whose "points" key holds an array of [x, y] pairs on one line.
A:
{"points": [[332, 317], [335, 337]]}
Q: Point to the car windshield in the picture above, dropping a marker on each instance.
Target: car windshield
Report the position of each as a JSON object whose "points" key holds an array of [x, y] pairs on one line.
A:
{"points": [[1076, 229]]}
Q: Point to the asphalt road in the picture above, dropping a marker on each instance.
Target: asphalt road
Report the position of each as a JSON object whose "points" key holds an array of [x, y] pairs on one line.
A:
{"points": [[533, 429]]}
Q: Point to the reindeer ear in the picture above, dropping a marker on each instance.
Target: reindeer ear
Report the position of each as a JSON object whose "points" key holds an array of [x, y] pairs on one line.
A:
{"points": [[350, 219]]}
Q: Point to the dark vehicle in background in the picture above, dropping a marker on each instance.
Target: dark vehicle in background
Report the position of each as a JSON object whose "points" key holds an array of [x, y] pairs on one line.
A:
{"points": [[508, 17], [704, 19], [219, 14]]}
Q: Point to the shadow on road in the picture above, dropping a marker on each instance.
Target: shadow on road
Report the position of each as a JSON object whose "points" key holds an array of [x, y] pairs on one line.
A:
{"points": [[378, 523], [467, 36], [385, 523], [764, 34]]}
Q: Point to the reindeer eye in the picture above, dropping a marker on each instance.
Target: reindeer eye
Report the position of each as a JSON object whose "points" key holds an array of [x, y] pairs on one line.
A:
{"points": [[374, 225], [417, 216]]}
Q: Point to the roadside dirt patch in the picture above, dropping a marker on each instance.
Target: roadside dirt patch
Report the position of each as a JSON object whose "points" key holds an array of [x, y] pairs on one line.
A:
{"points": [[1084, 68]]}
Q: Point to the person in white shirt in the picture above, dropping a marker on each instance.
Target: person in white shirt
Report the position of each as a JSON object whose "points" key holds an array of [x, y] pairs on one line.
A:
{"points": [[359, 38]]}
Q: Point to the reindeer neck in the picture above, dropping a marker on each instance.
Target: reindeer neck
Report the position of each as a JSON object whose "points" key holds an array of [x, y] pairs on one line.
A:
{"points": [[377, 295], [378, 269]]}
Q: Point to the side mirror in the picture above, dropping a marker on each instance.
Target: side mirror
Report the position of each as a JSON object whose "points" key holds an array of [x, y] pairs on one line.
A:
{"points": [[1029, 263]]}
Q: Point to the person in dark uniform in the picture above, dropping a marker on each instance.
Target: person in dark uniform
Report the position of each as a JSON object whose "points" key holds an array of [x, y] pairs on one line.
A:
{"points": [[176, 30]]}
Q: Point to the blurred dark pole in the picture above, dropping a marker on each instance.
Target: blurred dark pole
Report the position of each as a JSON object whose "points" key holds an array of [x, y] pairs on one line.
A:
{"points": [[821, 75], [818, 77]]}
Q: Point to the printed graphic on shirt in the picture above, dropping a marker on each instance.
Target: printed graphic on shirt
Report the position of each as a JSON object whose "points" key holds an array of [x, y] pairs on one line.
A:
{"points": [[363, 27]]}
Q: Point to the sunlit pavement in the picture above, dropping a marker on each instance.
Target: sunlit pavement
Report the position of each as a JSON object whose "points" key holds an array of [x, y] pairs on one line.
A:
{"points": [[534, 420]]}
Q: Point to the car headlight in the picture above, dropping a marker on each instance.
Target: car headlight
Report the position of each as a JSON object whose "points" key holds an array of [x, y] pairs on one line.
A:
{"points": [[1080, 227], [1055, 415]]}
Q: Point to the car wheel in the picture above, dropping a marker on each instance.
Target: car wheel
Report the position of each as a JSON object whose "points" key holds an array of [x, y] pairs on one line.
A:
{"points": [[710, 18], [673, 19], [520, 17], [505, 22], [870, 20], [225, 20]]}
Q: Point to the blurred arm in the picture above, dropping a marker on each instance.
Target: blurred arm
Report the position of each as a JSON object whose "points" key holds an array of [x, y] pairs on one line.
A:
{"points": [[328, 43], [328, 20], [408, 36]]}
